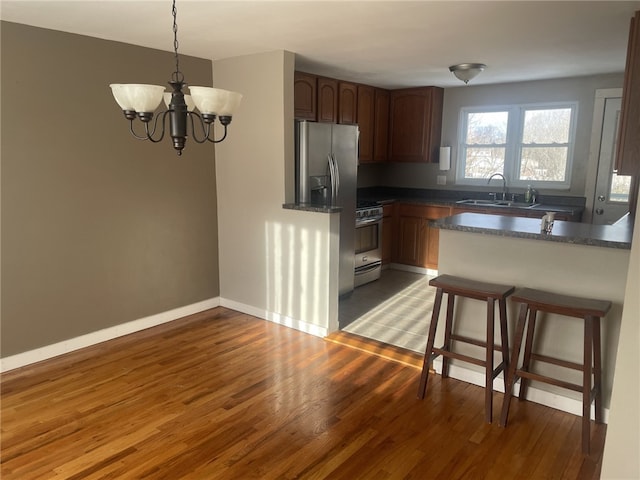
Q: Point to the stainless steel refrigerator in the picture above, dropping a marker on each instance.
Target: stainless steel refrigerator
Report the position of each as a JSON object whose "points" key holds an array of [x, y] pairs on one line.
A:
{"points": [[326, 175]]}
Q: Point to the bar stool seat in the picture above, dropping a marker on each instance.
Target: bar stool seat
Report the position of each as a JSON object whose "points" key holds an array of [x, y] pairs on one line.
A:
{"points": [[489, 292], [591, 311]]}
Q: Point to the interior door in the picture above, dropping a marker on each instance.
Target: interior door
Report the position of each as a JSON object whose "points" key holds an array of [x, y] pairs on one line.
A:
{"points": [[612, 190]]}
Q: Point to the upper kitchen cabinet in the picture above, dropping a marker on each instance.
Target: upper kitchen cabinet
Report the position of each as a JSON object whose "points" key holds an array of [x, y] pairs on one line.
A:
{"points": [[347, 103], [373, 120], [366, 119], [305, 96], [415, 124], [628, 156], [381, 126], [327, 100]]}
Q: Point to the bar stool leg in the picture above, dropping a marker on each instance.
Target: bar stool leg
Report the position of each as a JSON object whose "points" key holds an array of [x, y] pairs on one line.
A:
{"points": [[428, 354], [504, 339], [511, 375], [528, 348], [586, 383], [488, 387], [451, 299], [597, 369]]}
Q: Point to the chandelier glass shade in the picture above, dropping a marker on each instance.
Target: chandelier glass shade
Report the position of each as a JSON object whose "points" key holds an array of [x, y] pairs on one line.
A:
{"points": [[467, 71], [140, 101]]}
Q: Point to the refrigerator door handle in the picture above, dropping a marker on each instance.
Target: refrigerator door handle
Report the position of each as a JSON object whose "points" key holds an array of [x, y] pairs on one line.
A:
{"points": [[332, 178], [335, 167]]}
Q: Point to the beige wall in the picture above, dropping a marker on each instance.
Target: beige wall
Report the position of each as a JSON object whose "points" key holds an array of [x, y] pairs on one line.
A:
{"points": [[580, 89], [621, 459], [274, 263], [98, 228]]}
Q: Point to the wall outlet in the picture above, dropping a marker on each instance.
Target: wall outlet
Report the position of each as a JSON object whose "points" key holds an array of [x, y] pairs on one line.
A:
{"points": [[441, 180]]}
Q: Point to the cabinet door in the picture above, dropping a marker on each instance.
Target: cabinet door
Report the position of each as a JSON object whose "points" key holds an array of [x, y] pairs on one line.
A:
{"points": [[432, 243], [409, 236], [305, 96], [628, 155], [365, 119], [327, 100], [347, 103], [416, 124], [388, 231], [381, 126]]}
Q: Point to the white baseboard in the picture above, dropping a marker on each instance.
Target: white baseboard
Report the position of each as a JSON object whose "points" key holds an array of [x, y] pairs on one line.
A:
{"points": [[66, 346], [300, 325], [535, 395], [411, 268]]}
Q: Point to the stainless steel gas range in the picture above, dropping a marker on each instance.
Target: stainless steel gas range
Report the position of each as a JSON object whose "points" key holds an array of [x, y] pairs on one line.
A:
{"points": [[368, 261]]}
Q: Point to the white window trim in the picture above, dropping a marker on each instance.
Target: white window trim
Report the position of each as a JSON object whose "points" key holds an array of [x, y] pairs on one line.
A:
{"points": [[515, 124]]}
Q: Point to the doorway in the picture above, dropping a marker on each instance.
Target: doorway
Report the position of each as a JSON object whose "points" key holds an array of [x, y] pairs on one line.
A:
{"points": [[611, 194]]}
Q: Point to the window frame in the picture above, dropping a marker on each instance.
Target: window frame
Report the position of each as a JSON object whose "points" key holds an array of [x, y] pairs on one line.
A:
{"points": [[514, 144]]}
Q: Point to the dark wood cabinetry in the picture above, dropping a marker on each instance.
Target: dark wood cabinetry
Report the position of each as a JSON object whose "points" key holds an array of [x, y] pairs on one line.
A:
{"points": [[366, 120], [418, 242], [305, 96], [327, 100], [628, 152], [388, 231], [628, 155], [347, 103], [381, 125], [415, 124]]}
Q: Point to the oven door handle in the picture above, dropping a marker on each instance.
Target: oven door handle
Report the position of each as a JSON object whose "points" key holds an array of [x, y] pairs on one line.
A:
{"points": [[367, 269], [368, 221]]}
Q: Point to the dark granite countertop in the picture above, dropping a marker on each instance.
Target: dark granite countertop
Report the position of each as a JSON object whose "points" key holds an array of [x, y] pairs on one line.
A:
{"points": [[610, 236], [307, 207], [573, 206]]}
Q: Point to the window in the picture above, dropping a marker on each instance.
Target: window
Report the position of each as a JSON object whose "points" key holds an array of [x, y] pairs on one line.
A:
{"points": [[526, 143]]}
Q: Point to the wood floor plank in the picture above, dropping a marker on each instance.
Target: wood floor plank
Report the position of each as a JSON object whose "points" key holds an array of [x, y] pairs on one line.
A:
{"points": [[223, 395]]}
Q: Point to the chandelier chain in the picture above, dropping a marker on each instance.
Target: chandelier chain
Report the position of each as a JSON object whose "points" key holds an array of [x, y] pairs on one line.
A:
{"points": [[177, 75]]}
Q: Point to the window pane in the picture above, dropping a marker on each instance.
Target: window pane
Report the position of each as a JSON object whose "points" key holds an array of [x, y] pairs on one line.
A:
{"points": [[543, 163], [620, 188], [487, 128], [482, 162], [546, 126]]}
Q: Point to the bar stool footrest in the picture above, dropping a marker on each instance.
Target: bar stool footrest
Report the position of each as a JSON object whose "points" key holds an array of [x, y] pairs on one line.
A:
{"points": [[545, 379]]}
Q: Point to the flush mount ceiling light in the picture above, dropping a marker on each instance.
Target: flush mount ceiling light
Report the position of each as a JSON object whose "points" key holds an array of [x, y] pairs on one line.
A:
{"points": [[467, 71], [140, 101]]}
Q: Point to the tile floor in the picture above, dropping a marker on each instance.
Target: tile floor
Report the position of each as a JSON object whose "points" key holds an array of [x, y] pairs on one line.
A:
{"points": [[396, 309]]}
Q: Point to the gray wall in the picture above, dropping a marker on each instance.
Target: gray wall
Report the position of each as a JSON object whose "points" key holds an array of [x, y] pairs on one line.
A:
{"points": [[98, 228], [580, 89]]}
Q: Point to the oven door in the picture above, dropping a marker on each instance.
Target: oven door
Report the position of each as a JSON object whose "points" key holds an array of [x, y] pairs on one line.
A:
{"points": [[368, 260]]}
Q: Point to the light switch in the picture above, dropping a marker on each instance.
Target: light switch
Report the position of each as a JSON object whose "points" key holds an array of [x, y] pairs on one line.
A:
{"points": [[442, 180]]}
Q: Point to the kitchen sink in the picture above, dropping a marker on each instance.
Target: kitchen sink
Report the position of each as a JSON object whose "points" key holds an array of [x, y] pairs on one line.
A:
{"points": [[497, 203]]}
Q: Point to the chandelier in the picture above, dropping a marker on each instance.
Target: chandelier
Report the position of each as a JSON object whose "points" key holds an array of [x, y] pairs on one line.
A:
{"points": [[140, 101]]}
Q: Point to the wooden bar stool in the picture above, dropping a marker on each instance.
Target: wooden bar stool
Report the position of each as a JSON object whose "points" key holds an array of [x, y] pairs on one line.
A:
{"points": [[487, 292], [533, 301]]}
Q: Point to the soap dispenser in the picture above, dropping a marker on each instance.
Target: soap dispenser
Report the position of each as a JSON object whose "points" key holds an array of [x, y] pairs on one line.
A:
{"points": [[528, 194]]}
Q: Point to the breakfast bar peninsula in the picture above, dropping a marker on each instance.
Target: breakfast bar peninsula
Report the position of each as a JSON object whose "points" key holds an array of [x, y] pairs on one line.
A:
{"points": [[575, 259]]}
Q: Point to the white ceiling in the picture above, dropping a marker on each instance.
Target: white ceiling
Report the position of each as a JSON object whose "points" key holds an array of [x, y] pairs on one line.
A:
{"points": [[389, 44]]}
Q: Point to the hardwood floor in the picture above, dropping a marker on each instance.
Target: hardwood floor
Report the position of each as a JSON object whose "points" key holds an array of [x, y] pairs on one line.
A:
{"points": [[223, 395]]}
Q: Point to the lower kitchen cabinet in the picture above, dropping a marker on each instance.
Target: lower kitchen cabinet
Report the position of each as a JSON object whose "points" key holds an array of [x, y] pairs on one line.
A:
{"points": [[387, 232], [417, 242]]}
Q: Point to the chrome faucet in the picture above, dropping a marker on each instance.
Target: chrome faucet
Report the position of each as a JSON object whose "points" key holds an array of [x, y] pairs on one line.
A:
{"points": [[504, 184]]}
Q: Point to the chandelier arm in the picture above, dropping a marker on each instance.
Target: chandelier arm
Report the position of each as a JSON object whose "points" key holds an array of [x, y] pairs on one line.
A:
{"points": [[155, 126], [131, 129], [205, 133], [224, 135]]}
